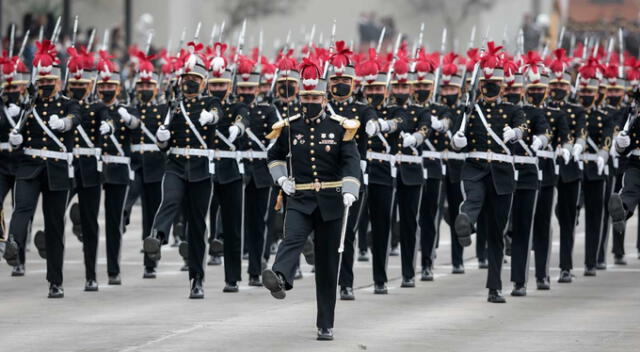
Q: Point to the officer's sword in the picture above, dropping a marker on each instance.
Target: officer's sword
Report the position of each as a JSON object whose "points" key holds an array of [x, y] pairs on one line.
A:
{"points": [[343, 228]]}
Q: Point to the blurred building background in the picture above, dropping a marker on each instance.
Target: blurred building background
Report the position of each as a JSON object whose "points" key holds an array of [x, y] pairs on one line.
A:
{"points": [[359, 21]]}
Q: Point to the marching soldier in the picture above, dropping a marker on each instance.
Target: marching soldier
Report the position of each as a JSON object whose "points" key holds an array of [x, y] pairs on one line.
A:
{"points": [[15, 79], [189, 166], [116, 155], [45, 136], [324, 168], [488, 174]]}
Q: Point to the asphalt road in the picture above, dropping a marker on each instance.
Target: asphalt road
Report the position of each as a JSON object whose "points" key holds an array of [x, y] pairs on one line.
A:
{"points": [[449, 314]]}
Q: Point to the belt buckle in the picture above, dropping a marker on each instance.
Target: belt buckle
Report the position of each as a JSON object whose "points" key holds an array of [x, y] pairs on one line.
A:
{"points": [[317, 186]]}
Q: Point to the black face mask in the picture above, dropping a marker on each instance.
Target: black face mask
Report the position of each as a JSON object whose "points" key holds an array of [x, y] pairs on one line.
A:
{"points": [[513, 98], [12, 97], [247, 98], [145, 95], [558, 94], [401, 99], [421, 95], [535, 98], [220, 94], [375, 99], [491, 89], [78, 93], [108, 95], [190, 87], [311, 110], [614, 101], [450, 99], [341, 90], [586, 100], [46, 90], [287, 90]]}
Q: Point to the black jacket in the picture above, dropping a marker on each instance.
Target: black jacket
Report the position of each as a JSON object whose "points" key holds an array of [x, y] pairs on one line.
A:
{"points": [[599, 130], [114, 173], [536, 125], [575, 118], [261, 118], [228, 170], [149, 163], [86, 167]]}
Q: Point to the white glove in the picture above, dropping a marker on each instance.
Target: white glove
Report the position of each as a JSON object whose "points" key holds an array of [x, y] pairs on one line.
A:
{"points": [[508, 134], [234, 131], [205, 117], [15, 138], [622, 141], [536, 144], [105, 128], [384, 125], [436, 124], [372, 128], [363, 165], [13, 110], [600, 163], [348, 199], [163, 134], [287, 185], [124, 114], [566, 155], [577, 151], [459, 140], [408, 140], [56, 123]]}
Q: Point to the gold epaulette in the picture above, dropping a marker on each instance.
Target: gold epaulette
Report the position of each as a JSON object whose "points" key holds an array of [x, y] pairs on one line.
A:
{"points": [[350, 125], [276, 129]]}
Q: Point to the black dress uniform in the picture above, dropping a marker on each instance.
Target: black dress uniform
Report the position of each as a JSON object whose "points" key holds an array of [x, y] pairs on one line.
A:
{"points": [[325, 164], [45, 167], [488, 178], [526, 194], [116, 176], [227, 187], [257, 199], [87, 153], [599, 129], [549, 164], [623, 162], [569, 183], [8, 164], [188, 178], [147, 162], [363, 113]]}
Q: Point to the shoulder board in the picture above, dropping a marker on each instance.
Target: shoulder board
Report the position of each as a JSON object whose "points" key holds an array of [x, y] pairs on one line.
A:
{"points": [[263, 103], [276, 129], [350, 125], [359, 103], [64, 97]]}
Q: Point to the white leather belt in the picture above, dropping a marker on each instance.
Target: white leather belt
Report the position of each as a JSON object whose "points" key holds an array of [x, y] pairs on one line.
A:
{"points": [[525, 159], [5, 146], [115, 159], [141, 148], [453, 155], [545, 154], [227, 154], [49, 154], [431, 154], [635, 152], [251, 154], [380, 156], [413, 159], [589, 157], [87, 151], [192, 152], [488, 156]]}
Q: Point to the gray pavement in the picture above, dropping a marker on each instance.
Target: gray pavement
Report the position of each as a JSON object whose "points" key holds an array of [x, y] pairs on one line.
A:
{"points": [[449, 314]]}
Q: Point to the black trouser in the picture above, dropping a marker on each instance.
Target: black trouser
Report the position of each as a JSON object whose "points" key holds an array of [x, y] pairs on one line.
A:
{"points": [[542, 231], [604, 236], [230, 199], [481, 195], [256, 210], [454, 198], [481, 236], [135, 191], [380, 198], [566, 213], [115, 197], [274, 218], [429, 209], [193, 198], [6, 185], [89, 205], [346, 262], [298, 226], [618, 237], [151, 198], [363, 223], [522, 215], [593, 211], [54, 204], [408, 204]]}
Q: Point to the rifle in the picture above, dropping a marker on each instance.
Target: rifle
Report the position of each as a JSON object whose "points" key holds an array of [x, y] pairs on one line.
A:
{"points": [[436, 82], [471, 97], [73, 45], [239, 49]]}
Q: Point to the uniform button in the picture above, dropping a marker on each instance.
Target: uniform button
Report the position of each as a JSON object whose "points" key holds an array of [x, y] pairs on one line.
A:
{"points": [[315, 173], [313, 167], [312, 129], [312, 136], [312, 144], [313, 158], [312, 151]]}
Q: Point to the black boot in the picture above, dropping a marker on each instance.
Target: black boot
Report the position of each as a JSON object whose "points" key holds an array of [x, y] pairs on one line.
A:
{"points": [[274, 283], [197, 292], [56, 291], [495, 296]]}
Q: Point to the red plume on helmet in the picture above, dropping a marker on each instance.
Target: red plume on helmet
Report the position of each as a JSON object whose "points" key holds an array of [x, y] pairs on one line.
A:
{"points": [[217, 62], [133, 52], [106, 67], [425, 64], [369, 68], [267, 69], [401, 68], [449, 67], [473, 56], [633, 70], [286, 62], [245, 67], [559, 63], [590, 70], [193, 53], [45, 57], [577, 53], [309, 73], [511, 68], [341, 58], [532, 62], [145, 66], [490, 60], [75, 63]]}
